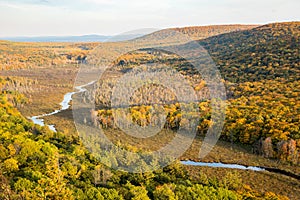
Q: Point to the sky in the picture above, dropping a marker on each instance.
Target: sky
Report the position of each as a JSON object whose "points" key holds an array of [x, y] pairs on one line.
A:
{"points": [[110, 17]]}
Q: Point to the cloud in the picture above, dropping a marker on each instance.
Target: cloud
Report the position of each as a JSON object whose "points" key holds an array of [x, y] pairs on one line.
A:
{"points": [[63, 17], [25, 1], [61, 3], [93, 5]]}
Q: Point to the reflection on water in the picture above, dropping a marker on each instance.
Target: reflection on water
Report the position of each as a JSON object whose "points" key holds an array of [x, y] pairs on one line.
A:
{"points": [[221, 165]]}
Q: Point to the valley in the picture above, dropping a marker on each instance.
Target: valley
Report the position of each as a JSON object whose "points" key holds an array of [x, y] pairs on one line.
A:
{"points": [[259, 66]]}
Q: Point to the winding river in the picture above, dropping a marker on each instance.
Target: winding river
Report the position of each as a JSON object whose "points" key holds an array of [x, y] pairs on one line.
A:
{"points": [[222, 165], [65, 104]]}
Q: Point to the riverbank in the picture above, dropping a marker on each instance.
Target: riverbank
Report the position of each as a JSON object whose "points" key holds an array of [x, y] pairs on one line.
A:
{"points": [[241, 167]]}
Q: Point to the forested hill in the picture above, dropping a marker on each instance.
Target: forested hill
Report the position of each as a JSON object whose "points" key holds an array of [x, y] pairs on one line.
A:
{"points": [[265, 52], [194, 32], [262, 70], [202, 32]]}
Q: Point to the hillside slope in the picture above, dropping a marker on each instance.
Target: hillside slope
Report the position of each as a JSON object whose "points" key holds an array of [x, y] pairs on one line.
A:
{"points": [[202, 32], [181, 35], [262, 71], [265, 52]]}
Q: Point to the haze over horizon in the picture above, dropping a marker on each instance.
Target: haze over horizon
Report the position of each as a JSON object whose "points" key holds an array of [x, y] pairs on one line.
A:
{"points": [[105, 17]]}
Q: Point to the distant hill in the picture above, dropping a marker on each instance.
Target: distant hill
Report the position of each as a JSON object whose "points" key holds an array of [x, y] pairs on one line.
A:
{"points": [[195, 32], [84, 38], [201, 32]]}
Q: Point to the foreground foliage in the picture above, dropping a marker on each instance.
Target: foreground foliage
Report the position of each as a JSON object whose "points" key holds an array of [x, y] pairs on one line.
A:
{"points": [[36, 163]]}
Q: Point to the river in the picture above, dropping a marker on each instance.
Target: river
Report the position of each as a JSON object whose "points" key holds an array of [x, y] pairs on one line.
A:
{"points": [[65, 105], [222, 165]]}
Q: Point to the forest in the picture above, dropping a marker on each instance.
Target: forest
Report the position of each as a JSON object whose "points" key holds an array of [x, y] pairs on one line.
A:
{"points": [[262, 89], [37, 163]]}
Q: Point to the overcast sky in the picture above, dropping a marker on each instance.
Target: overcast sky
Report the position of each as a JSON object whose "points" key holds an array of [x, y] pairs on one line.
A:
{"points": [[108, 17]]}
